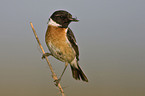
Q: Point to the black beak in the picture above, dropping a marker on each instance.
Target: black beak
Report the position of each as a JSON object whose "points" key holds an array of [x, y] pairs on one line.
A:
{"points": [[73, 19]]}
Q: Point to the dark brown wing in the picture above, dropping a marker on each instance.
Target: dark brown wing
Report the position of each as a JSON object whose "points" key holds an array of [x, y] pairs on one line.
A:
{"points": [[72, 40]]}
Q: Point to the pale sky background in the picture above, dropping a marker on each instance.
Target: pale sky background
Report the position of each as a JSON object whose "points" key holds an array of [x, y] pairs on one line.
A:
{"points": [[111, 39]]}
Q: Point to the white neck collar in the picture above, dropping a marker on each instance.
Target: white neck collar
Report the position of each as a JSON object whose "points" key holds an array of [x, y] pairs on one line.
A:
{"points": [[53, 23]]}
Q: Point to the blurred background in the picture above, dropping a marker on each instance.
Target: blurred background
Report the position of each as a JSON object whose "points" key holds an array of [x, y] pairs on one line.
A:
{"points": [[111, 39]]}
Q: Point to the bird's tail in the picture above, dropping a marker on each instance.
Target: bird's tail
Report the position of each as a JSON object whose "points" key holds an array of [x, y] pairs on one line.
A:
{"points": [[77, 73]]}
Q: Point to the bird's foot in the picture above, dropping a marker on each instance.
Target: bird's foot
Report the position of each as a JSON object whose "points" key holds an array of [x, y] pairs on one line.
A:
{"points": [[57, 81], [45, 55]]}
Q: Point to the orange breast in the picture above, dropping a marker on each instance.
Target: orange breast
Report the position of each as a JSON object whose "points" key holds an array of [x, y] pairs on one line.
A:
{"points": [[58, 44]]}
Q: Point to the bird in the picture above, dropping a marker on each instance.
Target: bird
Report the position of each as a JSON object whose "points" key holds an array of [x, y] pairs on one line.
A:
{"points": [[61, 43]]}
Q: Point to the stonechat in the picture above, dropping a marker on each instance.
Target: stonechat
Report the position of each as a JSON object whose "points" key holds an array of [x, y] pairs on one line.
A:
{"points": [[61, 43]]}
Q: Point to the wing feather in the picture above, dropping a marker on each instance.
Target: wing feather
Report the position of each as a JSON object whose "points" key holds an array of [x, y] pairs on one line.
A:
{"points": [[72, 40]]}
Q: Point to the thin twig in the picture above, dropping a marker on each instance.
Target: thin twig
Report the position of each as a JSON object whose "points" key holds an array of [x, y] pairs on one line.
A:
{"points": [[53, 74]]}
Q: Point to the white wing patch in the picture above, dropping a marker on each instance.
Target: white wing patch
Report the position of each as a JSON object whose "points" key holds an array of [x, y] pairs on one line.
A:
{"points": [[53, 23], [66, 30], [74, 63]]}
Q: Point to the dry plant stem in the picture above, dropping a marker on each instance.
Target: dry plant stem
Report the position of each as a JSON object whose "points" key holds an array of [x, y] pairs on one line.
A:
{"points": [[53, 74]]}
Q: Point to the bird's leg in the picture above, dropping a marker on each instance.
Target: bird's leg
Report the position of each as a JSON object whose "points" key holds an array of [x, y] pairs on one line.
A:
{"points": [[57, 81], [46, 54]]}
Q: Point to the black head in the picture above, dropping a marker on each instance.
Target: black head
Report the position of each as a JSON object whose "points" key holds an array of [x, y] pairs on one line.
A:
{"points": [[63, 18]]}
